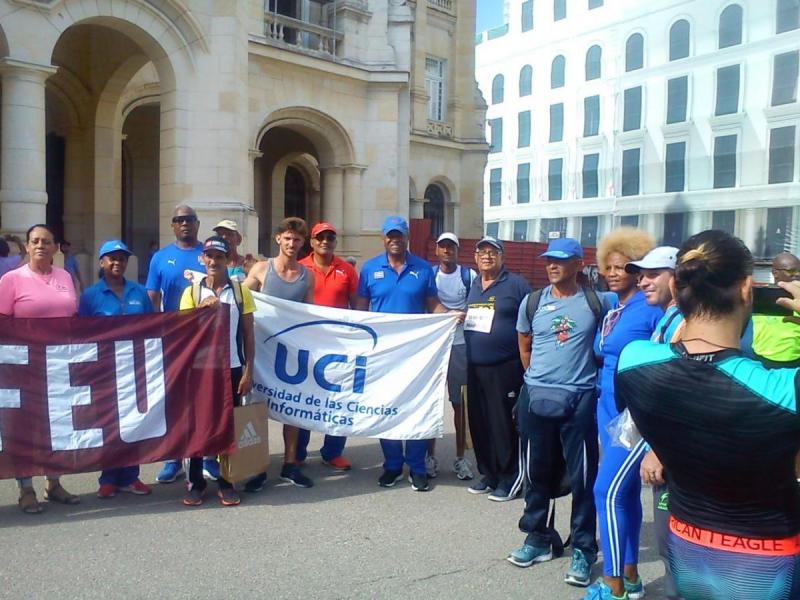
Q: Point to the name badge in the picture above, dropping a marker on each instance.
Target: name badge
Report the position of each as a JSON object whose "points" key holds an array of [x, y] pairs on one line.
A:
{"points": [[479, 319], [378, 274]]}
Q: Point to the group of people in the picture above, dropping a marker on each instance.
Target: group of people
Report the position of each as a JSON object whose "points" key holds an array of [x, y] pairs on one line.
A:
{"points": [[551, 376]]}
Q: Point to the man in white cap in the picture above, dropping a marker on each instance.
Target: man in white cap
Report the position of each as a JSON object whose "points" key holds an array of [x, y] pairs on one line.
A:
{"points": [[229, 231], [453, 281]]}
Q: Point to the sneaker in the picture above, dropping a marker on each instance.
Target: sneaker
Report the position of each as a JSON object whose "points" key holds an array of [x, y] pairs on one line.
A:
{"points": [[484, 486], [170, 471], [579, 571], [211, 469], [419, 483], [431, 466], [463, 469], [291, 473], [193, 497], [255, 484], [600, 591], [635, 589], [106, 491], [526, 555], [501, 494], [389, 478], [138, 488], [228, 497], [338, 463]]}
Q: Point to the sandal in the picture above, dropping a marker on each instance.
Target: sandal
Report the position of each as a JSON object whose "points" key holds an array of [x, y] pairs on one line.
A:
{"points": [[28, 502], [59, 494]]}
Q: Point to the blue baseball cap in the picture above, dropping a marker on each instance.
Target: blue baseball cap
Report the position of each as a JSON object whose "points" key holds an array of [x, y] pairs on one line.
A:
{"points": [[492, 241], [563, 248], [113, 246], [395, 223]]}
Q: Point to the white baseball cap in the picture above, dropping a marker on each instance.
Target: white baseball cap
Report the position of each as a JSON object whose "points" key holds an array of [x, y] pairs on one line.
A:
{"points": [[447, 236], [662, 257]]}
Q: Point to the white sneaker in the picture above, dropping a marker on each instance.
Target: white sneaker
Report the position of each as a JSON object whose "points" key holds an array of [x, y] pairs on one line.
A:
{"points": [[463, 469], [431, 466]]}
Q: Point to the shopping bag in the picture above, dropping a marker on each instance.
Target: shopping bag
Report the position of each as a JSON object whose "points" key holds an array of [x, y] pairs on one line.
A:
{"points": [[251, 456]]}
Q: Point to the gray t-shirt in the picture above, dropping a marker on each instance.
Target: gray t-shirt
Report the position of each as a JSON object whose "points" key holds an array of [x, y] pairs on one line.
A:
{"points": [[563, 334]]}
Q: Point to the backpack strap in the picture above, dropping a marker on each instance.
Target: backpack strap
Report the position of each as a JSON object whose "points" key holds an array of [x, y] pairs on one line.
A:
{"points": [[196, 293], [663, 332], [534, 298], [594, 303], [236, 287], [466, 277]]}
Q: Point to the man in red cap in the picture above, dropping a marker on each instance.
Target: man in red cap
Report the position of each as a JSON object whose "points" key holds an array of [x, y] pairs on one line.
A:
{"points": [[336, 285]]}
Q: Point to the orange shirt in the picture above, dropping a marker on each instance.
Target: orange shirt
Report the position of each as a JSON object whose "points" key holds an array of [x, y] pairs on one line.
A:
{"points": [[335, 287]]}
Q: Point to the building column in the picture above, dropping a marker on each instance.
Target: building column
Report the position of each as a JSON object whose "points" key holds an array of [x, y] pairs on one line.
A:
{"points": [[332, 196], [750, 222], [352, 225], [698, 220], [23, 192]]}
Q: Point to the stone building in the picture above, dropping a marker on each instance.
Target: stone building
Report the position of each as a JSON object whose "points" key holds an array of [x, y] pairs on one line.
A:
{"points": [[675, 116], [116, 111]]}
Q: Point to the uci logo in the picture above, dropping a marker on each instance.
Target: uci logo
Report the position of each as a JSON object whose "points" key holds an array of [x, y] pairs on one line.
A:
{"points": [[332, 372]]}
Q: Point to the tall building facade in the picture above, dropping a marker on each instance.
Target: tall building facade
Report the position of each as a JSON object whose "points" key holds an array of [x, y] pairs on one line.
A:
{"points": [[671, 116], [116, 111]]}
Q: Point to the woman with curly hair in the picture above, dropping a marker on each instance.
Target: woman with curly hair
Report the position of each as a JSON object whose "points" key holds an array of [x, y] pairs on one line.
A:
{"points": [[618, 487]]}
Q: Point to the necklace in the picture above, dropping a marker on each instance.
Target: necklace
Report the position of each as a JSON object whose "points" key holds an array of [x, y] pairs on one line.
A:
{"points": [[698, 339]]}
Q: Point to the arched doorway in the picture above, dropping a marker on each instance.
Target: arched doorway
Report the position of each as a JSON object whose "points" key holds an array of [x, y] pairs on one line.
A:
{"points": [[434, 209]]}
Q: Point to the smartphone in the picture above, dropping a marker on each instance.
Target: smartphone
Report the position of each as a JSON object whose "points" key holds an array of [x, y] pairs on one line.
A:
{"points": [[764, 298]]}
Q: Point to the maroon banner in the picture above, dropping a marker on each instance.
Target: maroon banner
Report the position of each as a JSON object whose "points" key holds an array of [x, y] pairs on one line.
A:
{"points": [[88, 393]]}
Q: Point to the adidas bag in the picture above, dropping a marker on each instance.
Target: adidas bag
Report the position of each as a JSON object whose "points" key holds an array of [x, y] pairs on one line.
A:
{"points": [[252, 444]]}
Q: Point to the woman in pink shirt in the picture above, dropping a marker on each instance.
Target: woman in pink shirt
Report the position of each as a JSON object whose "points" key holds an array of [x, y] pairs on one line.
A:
{"points": [[38, 290]]}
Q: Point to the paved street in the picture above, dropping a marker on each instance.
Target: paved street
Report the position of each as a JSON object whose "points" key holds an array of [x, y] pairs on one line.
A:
{"points": [[344, 538]]}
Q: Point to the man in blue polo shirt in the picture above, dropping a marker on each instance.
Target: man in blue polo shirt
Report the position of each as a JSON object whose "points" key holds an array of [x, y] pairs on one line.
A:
{"points": [[114, 295], [171, 271], [399, 282]]}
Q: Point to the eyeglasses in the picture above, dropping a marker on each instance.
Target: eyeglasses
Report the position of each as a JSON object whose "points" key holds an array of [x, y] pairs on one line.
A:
{"points": [[184, 219], [487, 252], [326, 237]]}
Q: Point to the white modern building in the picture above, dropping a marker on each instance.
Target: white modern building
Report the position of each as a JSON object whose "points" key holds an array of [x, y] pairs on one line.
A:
{"points": [[675, 116]]}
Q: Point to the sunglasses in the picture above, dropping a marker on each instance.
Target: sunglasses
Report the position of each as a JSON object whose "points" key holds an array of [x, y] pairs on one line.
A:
{"points": [[610, 320], [184, 219], [326, 237]]}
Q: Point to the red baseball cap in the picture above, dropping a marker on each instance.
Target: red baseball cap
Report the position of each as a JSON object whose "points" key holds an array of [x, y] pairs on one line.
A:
{"points": [[323, 226]]}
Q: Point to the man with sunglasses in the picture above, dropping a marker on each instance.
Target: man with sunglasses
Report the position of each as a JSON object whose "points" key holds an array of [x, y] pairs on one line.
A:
{"points": [[335, 285], [171, 271]]}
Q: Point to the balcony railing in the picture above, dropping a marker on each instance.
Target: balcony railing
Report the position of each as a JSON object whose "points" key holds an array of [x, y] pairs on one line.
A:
{"points": [[444, 5], [294, 33]]}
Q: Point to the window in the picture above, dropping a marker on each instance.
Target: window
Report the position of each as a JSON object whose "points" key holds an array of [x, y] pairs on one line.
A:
{"points": [[593, 59], [724, 220], [630, 172], [557, 72], [523, 183], [590, 178], [677, 94], [527, 15], [727, 90], [730, 26], [493, 229], [595, 4], [784, 78], [525, 81], [552, 228], [589, 231], [779, 224], [787, 17], [559, 10], [496, 140], [498, 91], [556, 122], [555, 179], [436, 88], [725, 161], [495, 187], [675, 167], [520, 231], [629, 221], [679, 40], [591, 116], [781, 154], [674, 229], [634, 52], [632, 113], [433, 209], [524, 129]]}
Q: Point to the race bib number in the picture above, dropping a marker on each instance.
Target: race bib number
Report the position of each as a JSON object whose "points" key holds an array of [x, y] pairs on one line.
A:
{"points": [[479, 319]]}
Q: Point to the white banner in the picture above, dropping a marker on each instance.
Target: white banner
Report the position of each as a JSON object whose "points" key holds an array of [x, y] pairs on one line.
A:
{"points": [[352, 373]]}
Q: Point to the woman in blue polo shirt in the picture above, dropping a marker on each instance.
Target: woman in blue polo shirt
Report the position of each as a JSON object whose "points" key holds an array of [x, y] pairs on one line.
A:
{"points": [[114, 295]]}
